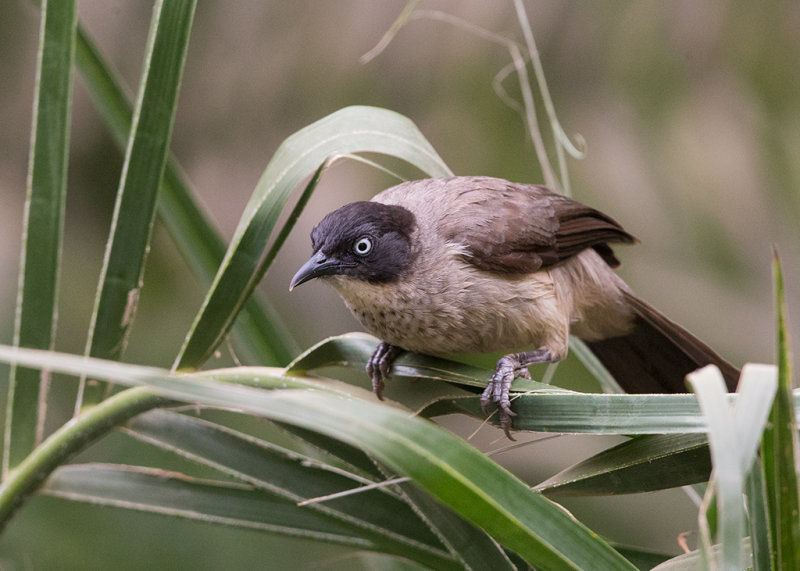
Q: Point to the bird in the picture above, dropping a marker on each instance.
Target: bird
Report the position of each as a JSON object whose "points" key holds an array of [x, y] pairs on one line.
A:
{"points": [[475, 264]]}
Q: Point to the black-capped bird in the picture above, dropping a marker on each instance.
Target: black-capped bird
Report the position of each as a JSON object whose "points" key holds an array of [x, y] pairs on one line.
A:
{"points": [[478, 265]]}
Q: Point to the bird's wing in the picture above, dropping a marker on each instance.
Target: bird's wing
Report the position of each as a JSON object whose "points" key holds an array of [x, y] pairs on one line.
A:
{"points": [[518, 228]]}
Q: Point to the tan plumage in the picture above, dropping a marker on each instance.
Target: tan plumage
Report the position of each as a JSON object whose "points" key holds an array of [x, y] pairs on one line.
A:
{"points": [[461, 237], [488, 265]]}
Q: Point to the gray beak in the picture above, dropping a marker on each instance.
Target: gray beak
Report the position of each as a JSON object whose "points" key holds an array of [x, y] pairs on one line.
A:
{"points": [[318, 265]]}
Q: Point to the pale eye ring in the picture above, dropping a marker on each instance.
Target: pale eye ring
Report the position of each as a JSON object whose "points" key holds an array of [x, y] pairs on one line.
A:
{"points": [[363, 246]]}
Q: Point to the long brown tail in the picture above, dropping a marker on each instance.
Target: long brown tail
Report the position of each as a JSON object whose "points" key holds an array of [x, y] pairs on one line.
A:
{"points": [[657, 355]]}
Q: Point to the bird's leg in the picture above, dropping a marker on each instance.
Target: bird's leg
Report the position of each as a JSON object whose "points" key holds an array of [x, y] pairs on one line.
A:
{"points": [[379, 364], [508, 368]]}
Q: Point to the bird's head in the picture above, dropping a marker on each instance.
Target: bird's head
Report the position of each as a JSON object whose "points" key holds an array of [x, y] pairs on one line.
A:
{"points": [[366, 241]]}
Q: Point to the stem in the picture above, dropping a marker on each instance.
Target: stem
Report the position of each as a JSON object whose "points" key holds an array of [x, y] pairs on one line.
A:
{"points": [[71, 438]]}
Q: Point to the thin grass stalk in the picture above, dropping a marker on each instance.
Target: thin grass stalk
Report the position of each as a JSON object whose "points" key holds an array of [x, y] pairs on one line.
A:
{"points": [[134, 211], [42, 229]]}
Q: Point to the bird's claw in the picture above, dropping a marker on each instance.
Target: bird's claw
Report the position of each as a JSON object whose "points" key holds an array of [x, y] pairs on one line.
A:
{"points": [[377, 381], [498, 389], [522, 373], [380, 364]]}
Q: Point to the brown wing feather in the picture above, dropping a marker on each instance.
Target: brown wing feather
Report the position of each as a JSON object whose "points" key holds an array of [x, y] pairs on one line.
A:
{"points": [[520, 228], [657, 354]]}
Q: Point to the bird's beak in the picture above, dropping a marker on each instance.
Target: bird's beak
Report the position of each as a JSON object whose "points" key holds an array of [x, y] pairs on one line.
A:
{"points": [[318, 265]]}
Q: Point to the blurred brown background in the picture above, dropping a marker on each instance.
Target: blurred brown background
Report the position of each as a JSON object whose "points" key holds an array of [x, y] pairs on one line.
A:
{"points": [[690, 112]]}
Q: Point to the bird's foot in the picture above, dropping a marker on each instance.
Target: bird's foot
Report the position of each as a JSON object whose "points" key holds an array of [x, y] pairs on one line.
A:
{"points": [[497, 391], [379, 365], [522, 372]]}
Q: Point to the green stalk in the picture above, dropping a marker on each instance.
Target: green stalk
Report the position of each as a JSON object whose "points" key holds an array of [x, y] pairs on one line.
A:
{"points": [[259, 331], [71, 438], [40, 259], [134, 211], [780, 448]]}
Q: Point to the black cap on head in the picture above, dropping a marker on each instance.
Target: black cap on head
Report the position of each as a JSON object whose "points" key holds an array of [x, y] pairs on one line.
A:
{"points": [[369, 241]]}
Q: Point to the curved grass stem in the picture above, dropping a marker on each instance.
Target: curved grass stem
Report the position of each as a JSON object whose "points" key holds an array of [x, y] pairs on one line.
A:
{"points": [[74, 436]]}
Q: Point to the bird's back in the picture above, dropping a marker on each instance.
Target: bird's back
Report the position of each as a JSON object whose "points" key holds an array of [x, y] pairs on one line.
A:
{"points": [[486, 276]]}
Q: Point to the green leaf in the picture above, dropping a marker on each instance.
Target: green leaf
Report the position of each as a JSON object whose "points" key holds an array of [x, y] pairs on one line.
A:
{"points": [[694, 561], [470, 545], [350, 455], [734, 431], [758, 518], [565, 411], [779, 449], [440, 463], [71, 437], [352, 350], [173, 494], [378, 513], [539, 407], [642, 464], [259, 331], [145, 157], [42, 228], [445, 466], [347, 131]]}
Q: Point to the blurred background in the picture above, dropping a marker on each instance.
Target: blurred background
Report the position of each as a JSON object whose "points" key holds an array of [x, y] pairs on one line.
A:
{"points": [[691, 116]]}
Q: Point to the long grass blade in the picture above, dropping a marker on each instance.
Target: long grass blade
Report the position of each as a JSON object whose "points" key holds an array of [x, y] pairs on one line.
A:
{"points": [[352, 350], [355, 458], [145, 157], [538, 406], [170, 493], [43, 223], [758, 519], [348, 131], [694, 560], [644, 464], [728, 480], [734, 433], [592, 413], [379, 514], [468, 544], [237, 505], [259, 332], [443, 465], [71, 437], [779, 448]]}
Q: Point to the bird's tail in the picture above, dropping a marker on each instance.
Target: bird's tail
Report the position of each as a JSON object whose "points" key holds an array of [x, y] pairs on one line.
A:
{"points": [[657, 355]]}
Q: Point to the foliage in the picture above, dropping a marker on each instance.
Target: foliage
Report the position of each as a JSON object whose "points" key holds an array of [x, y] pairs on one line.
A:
{"points": [[332, 464]]}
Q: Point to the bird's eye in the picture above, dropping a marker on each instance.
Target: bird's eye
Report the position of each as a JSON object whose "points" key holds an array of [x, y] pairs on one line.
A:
{"points": [[363, 246]]}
